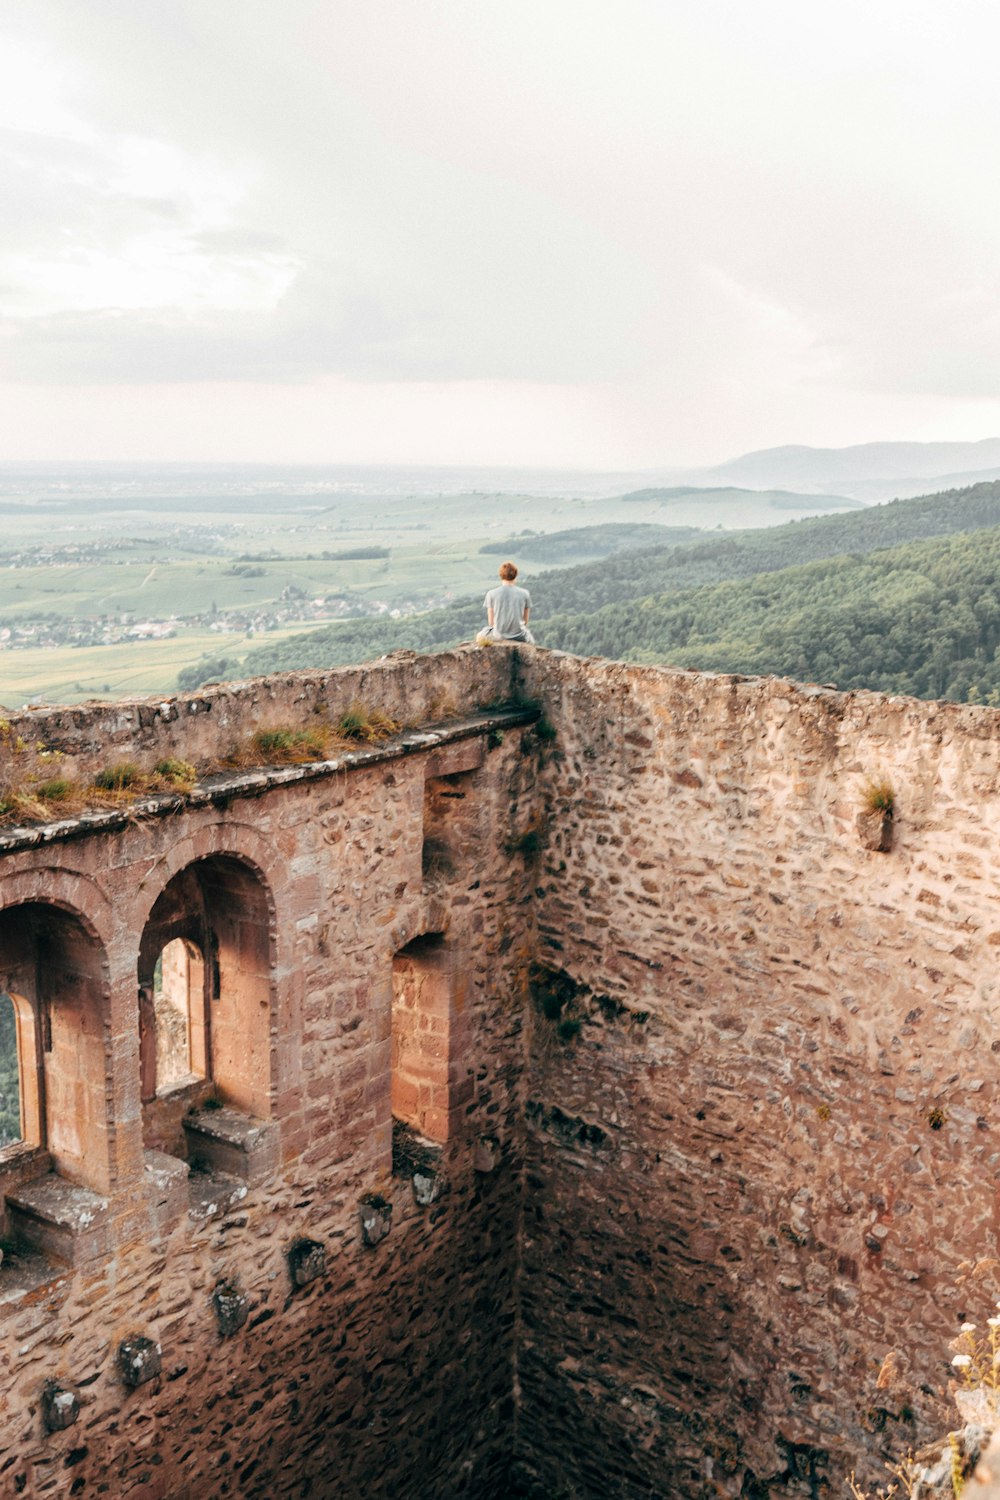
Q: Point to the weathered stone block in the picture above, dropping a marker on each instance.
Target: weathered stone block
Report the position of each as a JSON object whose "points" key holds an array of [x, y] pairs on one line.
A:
{"points": [[230, 1141], [167, 1183], [232, 1308], [876, 831], [211, 1194], [59, 1219], [60, 1407], [306, 1261], [139, 1360], [452, 760], [426, 1187], [486, 1157], [376, 1219]]}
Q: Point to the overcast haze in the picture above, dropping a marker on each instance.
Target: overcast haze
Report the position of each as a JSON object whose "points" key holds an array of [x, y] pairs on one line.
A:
{"points": [[495, 231]]}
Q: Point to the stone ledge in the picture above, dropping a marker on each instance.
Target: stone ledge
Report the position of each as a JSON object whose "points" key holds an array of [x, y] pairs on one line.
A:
{"points": [[231, 1142], [24, 1272], [213, 1193], [58, 1218], [222, 788], [167, 1184]]}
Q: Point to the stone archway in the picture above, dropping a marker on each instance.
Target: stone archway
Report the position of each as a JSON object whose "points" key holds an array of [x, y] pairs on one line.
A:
{"points": [[205, 955], [54, 971]]}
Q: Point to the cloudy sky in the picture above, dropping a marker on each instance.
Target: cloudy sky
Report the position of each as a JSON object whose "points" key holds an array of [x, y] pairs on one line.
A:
{"points": [[619, 233]]}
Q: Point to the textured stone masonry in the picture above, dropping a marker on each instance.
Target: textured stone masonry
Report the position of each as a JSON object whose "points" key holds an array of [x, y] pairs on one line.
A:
{"points": [[763, 1151], [696, 1084], [376, 1362]]}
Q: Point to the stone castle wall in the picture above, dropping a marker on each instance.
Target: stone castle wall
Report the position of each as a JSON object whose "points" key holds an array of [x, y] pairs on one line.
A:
{"points": [[378, 1368], [708, 1081], [762, 1108]]}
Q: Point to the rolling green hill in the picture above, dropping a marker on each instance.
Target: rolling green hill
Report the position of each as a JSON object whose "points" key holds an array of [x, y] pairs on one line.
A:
{"points": [[588, 541], [658, 571], [723, 497]]}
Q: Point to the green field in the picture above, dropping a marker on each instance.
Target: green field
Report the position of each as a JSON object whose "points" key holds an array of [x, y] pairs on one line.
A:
{"points": [[72, 674], [161, 590]]}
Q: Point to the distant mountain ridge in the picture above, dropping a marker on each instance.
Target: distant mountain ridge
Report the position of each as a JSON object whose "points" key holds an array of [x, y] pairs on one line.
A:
{"points": [[866, 471]]}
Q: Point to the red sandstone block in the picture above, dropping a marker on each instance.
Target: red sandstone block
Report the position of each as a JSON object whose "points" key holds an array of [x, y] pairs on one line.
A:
{"points": [[405, 1098], [378, 1090], [353, 1075], [434, 1123], [293, 1143], [462, 1090]]}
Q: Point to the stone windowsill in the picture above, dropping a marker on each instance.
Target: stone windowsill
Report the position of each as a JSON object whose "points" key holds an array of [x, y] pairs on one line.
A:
{"points": [[23, 1272], [228, 1141], [59, 1219]]}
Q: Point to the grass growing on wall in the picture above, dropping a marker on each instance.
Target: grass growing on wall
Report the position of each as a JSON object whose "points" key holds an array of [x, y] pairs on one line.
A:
{"points": [[35, 789]]}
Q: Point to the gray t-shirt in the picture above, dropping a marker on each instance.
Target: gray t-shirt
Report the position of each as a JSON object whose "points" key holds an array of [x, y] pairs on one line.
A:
{"points": [[508, 602]]}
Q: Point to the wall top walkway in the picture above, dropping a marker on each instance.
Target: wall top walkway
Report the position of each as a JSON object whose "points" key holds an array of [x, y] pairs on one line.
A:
{"points": [[410, 688], [223, 786]]}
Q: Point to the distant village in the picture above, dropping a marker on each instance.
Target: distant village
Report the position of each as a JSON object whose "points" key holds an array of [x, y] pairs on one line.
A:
{"points": [[293, 608], [294, 605]]}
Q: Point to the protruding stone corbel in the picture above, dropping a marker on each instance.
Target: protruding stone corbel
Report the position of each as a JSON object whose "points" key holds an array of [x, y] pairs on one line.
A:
{"points": [[306, 1261], [376, 1218], [139, 1359], [426, 1186], [232, 1308], [487, 1154], [875, 821], [60, 1406]]}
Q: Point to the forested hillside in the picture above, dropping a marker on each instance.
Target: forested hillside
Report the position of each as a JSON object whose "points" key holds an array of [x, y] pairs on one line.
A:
{"points": [[588, 541], [922, 619], [665, 572]]}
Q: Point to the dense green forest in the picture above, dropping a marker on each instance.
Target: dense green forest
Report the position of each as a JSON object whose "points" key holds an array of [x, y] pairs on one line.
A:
{"points": [[10, 1088], [922, 619], [665, 602]]}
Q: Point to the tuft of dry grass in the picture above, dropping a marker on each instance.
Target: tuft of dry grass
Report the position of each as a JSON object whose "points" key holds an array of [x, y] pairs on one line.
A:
{"points": [[281, 745], [181, 774], [32, 791], [368, 724], [287, 745], [31, 794], [878, 797]]}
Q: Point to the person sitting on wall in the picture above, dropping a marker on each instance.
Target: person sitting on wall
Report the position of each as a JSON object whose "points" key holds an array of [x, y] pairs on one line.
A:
{"points": [[507, 609]]}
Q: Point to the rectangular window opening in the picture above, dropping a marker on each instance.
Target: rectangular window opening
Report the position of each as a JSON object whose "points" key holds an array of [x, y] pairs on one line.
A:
{"points": [[423, 985]]}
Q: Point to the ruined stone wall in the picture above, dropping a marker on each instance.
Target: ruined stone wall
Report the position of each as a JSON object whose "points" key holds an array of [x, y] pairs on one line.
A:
{"points": [[303, 1349], [762, 1094], [712, 1110], [203, 726]]}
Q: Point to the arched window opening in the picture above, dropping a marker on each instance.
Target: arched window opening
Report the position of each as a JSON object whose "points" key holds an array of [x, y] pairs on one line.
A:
{"points": [[179, 1015], [205, 998], [54, 1000], [11, 1120]]}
